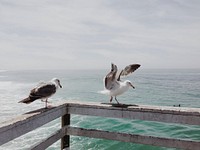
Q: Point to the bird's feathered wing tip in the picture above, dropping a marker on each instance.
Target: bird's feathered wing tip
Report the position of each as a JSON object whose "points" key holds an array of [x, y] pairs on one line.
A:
{"points": [[113, 67], [110, 77], [128, 70], [26, 101]]}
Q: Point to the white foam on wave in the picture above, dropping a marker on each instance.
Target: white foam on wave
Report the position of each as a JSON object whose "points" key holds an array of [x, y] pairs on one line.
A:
{"points": [[10, 94]]}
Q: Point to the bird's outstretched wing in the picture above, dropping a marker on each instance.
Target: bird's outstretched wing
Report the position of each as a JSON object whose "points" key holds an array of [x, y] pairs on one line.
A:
{"points": [[127, 70], [110, 78]]}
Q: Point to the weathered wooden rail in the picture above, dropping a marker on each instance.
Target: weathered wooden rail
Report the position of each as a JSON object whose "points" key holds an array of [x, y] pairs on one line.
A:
{"points": [[27, 122]]}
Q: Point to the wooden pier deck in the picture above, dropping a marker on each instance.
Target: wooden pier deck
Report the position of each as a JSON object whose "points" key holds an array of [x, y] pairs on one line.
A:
{"points": [[25, 123]]}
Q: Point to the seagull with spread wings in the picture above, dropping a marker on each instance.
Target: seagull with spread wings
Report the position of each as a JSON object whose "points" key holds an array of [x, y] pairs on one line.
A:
{"points": [[113, 85], [43, 91]]}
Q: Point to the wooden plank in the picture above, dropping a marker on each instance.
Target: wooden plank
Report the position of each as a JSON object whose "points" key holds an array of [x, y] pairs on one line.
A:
{"points": [[21, 125], [134, 138], [48, 141], [65, 141], [180, 115], [32, 120]]}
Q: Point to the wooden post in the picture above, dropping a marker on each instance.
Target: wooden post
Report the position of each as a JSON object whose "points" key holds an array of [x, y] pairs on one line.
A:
{"points": [[65, 141]]}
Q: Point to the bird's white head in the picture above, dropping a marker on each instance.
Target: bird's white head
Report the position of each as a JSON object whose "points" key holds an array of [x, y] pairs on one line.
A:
{"points": [[57, 82], [129, 83]]}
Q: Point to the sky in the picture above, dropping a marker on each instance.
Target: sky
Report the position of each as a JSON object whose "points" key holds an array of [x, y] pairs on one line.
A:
{"points": [[90, 34]]}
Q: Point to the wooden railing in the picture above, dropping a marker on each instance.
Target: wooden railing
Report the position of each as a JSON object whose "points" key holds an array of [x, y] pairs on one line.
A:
{"points": [[30, 121]]}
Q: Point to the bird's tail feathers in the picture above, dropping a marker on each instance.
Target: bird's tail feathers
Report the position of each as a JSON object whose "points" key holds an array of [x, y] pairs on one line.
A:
{"points": [[26, 100], [106, 92]]}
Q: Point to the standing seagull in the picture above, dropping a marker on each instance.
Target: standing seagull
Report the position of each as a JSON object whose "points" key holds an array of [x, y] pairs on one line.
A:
{"points": [[43, 91], [113, 84]]}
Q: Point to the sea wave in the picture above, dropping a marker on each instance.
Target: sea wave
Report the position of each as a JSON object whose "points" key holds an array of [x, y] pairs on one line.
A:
{"points": [[162, 88]]}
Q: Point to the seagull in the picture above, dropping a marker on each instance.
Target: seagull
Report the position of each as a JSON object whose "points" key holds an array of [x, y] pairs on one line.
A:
{"points": [[43, 91], [113, 85]]}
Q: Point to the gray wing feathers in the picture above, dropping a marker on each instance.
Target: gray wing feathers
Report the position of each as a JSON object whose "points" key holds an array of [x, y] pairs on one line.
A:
{"points": [[43, 91], [39, 92], [128, 69], [111, 77]]}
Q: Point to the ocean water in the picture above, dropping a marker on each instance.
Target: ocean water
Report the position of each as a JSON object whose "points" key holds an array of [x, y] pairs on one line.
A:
{"points": [[153, 87]]}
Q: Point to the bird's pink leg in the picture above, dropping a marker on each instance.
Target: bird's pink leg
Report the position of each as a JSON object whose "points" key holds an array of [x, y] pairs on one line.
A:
{"points": [[46, 103], [47, 106], [116, 99], [111, 99]]}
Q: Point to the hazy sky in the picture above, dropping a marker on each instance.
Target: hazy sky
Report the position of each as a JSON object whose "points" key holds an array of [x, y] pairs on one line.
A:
{"points": [[88, 34]]}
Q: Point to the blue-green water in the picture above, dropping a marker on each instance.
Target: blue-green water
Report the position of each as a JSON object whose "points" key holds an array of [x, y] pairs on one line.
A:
{"points": [[153, 87]]}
